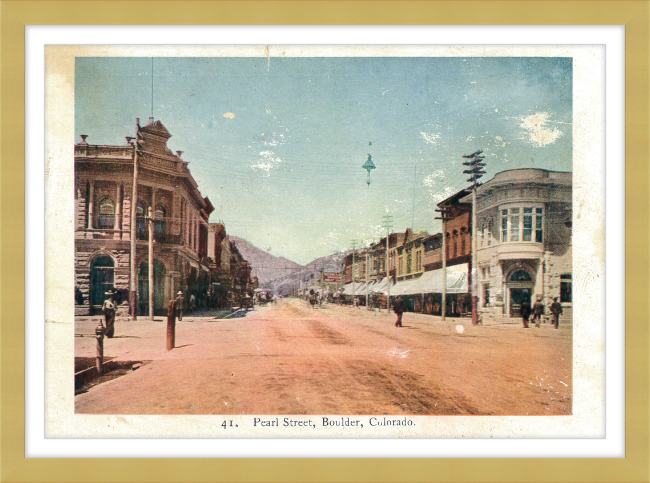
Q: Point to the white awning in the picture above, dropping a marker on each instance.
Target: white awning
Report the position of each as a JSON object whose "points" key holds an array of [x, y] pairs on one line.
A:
{"points": [[360, 289], [381, 287], [431, 282]]}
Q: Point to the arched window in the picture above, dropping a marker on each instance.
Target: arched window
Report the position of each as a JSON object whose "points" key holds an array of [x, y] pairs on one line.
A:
{"points": [[159, 225], [521, 276], [141, 225], [106, 214], [489, 233]]}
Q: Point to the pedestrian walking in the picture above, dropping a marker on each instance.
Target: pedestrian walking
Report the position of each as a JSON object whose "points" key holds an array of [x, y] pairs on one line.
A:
{"points": [[192, 302], [180, 304], [399, 309], [525, 313], [538, 311], [556, 310], [109, 309]]}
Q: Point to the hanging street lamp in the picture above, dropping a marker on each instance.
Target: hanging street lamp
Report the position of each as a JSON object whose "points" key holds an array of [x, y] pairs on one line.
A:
{"points": [[368, 165]]}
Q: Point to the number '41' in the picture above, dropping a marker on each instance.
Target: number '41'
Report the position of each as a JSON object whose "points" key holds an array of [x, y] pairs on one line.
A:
{"points": [[228, 424]]}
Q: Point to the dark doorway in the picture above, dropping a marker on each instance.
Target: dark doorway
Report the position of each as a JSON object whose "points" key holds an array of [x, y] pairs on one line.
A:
{"points": [[517, 297], [101, 281], [143, 289]]}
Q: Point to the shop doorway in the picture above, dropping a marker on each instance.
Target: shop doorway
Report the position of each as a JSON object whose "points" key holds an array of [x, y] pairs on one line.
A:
{"points": [[517, 297], [101, 281], [520, 290]]}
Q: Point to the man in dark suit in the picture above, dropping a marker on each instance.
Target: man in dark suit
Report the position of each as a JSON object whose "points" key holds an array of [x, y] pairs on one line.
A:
{"points": [[525, 313], [399, 309]]}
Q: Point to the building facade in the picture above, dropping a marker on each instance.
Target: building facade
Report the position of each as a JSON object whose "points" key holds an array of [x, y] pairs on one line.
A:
{"points": [[524, 233], [104, 179]]}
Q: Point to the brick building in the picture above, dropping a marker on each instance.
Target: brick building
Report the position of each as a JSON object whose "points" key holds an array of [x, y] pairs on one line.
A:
{"points": [[104, 178]]}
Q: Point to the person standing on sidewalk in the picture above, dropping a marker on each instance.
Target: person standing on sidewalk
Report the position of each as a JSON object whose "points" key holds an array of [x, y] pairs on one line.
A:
{"points": [[538, 311], [109, 309], [180, 302], [525, 313], [556, 310], [399, 309]]}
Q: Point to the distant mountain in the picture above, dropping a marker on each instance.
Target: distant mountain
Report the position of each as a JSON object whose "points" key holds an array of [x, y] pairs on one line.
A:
{"points": [[266, 267], [329, 264]]}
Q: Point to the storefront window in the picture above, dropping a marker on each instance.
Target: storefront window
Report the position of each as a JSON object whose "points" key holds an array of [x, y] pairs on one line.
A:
{"points": [[565, 288]]}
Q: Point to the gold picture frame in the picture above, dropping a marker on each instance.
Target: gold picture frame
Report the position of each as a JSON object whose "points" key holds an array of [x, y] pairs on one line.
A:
{"points": [[14, 16]]}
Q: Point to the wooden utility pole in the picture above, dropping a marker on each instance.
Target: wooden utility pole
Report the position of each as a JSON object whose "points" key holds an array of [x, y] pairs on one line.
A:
{"points": [[387, 222], [150, 223], [444, 212], [475, 171], [367, 304], [133, 294], [354, 251]]}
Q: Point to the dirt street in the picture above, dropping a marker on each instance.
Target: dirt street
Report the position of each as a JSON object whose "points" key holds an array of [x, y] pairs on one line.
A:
{"points": [[292, 359]]}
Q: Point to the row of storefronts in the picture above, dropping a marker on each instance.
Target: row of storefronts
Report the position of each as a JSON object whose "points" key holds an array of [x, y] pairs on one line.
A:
{"points": [[188, 253], [523, 243]]}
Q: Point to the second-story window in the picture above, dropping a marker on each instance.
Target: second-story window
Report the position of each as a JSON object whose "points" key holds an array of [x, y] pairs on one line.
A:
{"points": [[140, 221], [159, 225], [489, 232], [524, 223], [106, 214], [408, 262]]}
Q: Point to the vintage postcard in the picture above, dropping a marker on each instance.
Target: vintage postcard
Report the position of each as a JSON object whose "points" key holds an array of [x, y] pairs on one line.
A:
{"points": [[318, 242]]}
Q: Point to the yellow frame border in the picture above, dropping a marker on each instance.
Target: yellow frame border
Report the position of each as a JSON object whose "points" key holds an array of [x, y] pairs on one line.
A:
{"points": [[15, 15]]}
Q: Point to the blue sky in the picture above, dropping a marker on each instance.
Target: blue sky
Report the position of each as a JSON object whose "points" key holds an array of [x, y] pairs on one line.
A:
{"points": [[278, 145]]}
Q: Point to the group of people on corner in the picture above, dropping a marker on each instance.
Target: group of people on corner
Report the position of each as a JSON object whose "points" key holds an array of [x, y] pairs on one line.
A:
{"points": [[537, 311]]}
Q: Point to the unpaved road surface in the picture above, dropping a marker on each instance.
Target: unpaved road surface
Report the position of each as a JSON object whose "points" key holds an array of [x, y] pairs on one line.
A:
{"points": [[292, 359]]}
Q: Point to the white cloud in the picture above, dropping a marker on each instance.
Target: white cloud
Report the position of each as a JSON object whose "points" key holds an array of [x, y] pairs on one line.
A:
{"points": [[267, 162], [536, 128], [229, 115], [430, 179], [430, 138], [436, 196]]}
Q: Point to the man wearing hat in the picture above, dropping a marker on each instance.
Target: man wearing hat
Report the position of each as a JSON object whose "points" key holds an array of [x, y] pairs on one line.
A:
{"points": [[180, 301], [109, 309]]}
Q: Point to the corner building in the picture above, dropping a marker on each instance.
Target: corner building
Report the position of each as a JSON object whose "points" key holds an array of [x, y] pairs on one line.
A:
{"points": [[523, 237], [104, 177]]}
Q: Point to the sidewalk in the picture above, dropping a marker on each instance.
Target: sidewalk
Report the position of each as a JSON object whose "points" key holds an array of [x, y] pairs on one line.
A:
{"points": [[486, 320]]}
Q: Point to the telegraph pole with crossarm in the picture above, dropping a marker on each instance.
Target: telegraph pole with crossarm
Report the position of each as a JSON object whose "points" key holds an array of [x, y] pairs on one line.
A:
{"points": [[444, 216], [475, 170]]}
